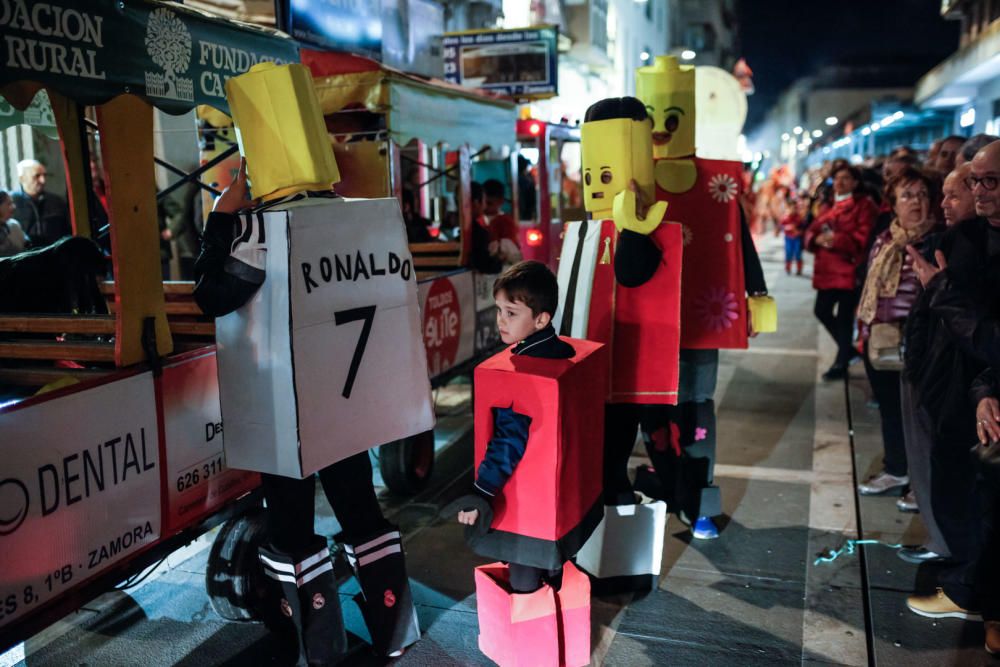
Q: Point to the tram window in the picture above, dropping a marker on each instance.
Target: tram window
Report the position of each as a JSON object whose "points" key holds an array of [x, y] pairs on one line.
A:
{"points": [[572, 189]]}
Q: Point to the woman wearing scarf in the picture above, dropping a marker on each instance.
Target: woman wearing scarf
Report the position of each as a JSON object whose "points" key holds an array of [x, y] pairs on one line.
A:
{"points": [[889, 292]]}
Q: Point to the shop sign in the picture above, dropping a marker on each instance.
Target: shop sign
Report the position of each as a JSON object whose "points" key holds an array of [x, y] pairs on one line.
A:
{"points": [[522, 63]]}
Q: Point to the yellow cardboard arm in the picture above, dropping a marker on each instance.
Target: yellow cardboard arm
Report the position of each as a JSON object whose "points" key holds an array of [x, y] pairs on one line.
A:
{"points": [[625, 216]]}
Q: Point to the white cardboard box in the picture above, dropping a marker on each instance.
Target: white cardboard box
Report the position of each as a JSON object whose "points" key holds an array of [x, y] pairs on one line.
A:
{"points": [[327, 359]]}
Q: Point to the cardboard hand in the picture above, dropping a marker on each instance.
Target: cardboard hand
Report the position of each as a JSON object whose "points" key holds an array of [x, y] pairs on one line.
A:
{"points": [[630, 211], [236, 197]]}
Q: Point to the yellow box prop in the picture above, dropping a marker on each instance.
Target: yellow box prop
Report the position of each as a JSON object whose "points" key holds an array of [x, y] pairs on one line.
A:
{"points": [[281, 131], [763, 314]]}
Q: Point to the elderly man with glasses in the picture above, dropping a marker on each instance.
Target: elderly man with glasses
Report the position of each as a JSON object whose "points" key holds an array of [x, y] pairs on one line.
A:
{"points": [[959, 341]]}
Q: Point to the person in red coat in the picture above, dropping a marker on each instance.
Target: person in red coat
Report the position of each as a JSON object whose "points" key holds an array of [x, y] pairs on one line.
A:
{"points": [[837, 238]]}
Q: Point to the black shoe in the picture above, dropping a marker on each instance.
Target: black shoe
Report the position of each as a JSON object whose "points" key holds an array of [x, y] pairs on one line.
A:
{"points": [[918, 555], [835, 372], [385, 599]]}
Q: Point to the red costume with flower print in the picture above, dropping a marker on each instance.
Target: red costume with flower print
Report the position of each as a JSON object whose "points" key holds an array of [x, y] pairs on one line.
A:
{"points": [[713, 296]]}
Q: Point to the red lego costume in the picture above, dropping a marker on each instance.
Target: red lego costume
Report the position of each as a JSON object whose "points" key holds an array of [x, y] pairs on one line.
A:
{"points": [[640, 324], [713, 299]]}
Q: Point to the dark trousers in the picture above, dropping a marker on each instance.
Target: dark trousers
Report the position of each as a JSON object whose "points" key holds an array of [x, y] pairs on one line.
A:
{"points": [[291, 503], [680, 441], [885, 386], [528, 579], [960, 505], [839, 324], [621, 427]]}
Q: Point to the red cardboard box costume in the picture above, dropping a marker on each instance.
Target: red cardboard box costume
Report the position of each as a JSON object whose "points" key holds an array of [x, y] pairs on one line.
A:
{"points": [[618, 285], [713, 300], [551, 502], [539, 422]]}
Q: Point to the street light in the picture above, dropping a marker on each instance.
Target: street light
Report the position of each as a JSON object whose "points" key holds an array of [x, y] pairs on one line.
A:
{"points": [[688, 54], [785, 136], [817, 133], [644, 56], [865, 131], [831, 120], [797, 129]]}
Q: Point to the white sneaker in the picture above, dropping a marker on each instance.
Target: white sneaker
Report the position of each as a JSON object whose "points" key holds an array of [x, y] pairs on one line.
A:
{"points": [[882, 484], [908, 503]]}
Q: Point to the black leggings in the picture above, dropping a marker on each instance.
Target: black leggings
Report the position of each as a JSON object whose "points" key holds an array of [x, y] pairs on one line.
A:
{"points": [[839, 324], [885, 387], [291, 503]]}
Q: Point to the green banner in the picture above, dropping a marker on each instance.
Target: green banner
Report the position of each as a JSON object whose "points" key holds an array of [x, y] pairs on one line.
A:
{"points": [[38, 114], [94, 50]]}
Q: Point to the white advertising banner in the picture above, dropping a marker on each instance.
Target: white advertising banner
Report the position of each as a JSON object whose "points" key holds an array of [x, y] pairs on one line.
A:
{"points": [[448, 312], [79, 489], [327, 359], [198, 480]]}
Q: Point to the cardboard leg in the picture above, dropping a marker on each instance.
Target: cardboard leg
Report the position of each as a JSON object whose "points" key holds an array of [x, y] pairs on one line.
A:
{"points": [[625, 551], [573, 602], [386, 600], [517, 629], [309, 600]]}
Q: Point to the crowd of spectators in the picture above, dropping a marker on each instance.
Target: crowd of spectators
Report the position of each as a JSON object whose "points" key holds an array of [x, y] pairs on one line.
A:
{"points": [[907, 277]]}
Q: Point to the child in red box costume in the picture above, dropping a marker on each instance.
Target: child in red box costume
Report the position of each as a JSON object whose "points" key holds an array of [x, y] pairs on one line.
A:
{"points": [[539, 420]]}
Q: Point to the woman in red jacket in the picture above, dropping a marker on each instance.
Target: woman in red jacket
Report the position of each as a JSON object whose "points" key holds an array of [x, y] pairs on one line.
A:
{"points": [[838, 237]]}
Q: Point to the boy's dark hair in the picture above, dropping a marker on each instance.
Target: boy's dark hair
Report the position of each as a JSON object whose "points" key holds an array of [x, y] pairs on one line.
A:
{"points": [[616, 107], [494, 188], [532, 284], [476, 191]]}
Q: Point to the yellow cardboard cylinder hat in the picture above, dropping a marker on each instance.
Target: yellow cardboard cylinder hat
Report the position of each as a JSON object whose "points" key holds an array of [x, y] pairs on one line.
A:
{"points": [[668, 91], [280, 130], [616, 147]]}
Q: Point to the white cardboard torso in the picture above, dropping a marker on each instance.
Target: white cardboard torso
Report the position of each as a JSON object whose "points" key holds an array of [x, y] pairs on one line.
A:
{"points": [[327, 359], [585, 276]]}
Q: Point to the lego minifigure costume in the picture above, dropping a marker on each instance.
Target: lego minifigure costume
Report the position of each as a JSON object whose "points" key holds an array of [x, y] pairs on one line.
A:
{"points": [[269, 102], [720, 266]]}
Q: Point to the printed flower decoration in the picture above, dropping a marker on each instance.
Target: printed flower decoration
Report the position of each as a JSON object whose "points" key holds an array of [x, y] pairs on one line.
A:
{"points": [[717, 309], [723, 188], [686, 235], [700, 433]]}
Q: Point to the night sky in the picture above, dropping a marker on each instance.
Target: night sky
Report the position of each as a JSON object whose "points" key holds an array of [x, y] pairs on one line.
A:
{"points": [[783, 40]]}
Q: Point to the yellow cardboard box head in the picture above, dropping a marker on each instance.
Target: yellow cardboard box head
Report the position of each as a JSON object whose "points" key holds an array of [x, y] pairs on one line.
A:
{"points": [[616, 146], [667, 90], [280, 130]]}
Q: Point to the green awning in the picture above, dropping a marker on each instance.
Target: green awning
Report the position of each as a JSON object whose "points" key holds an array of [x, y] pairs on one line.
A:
{"points": [[440, 115], [434, 112], [93, 50]]}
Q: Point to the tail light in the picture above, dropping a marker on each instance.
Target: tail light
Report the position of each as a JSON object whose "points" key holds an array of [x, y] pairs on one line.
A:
{"points": [[534, 237]]}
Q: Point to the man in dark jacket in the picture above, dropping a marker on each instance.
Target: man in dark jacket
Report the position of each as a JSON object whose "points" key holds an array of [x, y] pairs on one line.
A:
{"points": [[44, 216], [946, 352]]}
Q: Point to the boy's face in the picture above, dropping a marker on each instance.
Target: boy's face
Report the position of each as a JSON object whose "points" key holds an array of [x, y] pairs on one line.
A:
{"points": [[515, 320], [493, 204]]}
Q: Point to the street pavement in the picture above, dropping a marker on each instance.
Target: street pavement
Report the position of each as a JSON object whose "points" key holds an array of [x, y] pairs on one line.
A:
{"points": [[755, 596]]}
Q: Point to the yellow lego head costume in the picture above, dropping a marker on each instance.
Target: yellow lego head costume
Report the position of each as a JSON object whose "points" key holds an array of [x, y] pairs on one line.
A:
{"points": [[280, 130], [667, 90], [616, 145]]}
